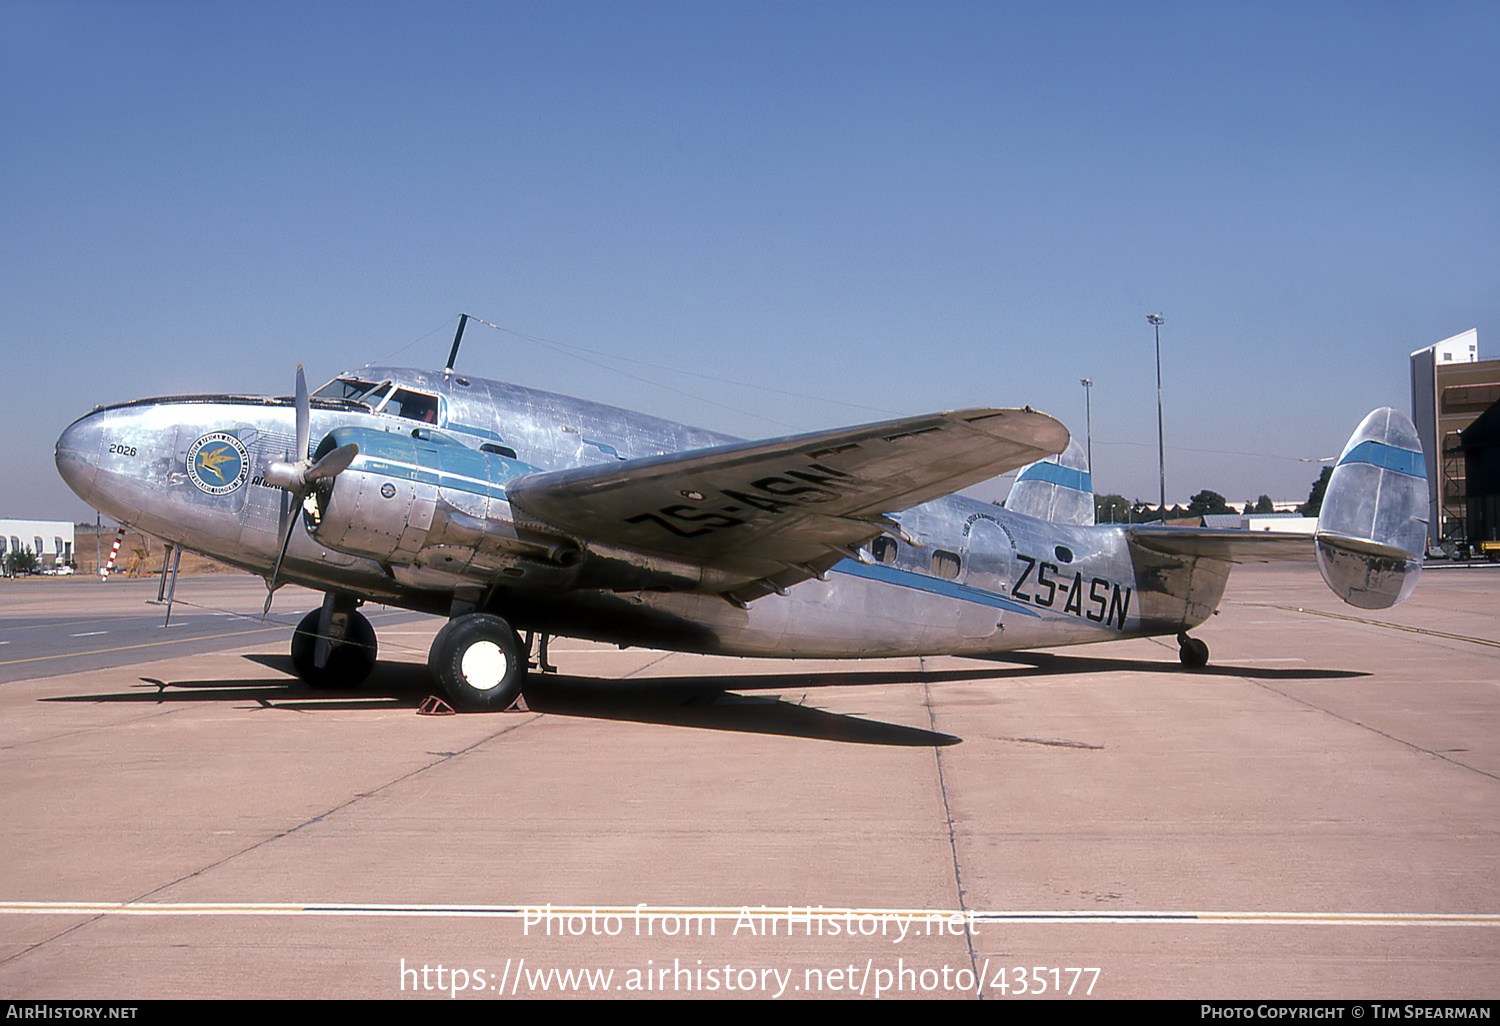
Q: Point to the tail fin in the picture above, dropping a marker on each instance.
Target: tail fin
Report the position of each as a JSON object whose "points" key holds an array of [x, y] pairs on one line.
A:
{"points": [[1373, 525], [1057, 488]]}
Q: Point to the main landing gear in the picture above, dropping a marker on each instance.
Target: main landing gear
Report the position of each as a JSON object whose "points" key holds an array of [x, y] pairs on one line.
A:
{"points": [[334, 647], [478, 662], [1192, 652]]}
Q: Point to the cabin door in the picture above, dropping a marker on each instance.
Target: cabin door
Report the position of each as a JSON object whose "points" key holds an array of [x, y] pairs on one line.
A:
{"points": [[987, 556]]}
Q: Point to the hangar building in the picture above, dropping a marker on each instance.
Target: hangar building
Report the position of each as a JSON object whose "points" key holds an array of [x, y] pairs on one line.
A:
{"points": [[1481, 445], [1450, 388]]}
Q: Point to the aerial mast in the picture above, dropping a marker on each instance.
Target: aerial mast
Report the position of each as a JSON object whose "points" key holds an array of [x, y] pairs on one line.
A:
{"points": [[463, 320]]}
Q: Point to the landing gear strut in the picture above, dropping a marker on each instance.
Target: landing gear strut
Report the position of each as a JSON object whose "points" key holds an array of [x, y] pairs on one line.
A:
{"points": [[478, 663], [540, 662], [1192, 652], [334, 647]]}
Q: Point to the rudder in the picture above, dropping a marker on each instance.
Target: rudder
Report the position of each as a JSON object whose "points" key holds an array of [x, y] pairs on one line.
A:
{"points": [[1372, 529], [1057, 488]]}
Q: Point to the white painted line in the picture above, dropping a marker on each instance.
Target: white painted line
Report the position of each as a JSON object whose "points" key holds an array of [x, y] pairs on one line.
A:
{"points": [[796, 915], [87, 634]]}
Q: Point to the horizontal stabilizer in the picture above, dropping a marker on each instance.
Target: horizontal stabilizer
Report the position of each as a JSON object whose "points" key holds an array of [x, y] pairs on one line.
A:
{"points": [[1231, 545]]}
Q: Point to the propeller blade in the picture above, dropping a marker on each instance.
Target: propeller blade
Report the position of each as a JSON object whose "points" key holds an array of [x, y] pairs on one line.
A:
{"points": [[276, 571], [335, 463], [292, 477], [304, 416]]}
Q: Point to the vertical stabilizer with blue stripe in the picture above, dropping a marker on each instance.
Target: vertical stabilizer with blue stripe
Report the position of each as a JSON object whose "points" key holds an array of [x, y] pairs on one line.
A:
{"points": [[1057, 488], [1373, 525]]}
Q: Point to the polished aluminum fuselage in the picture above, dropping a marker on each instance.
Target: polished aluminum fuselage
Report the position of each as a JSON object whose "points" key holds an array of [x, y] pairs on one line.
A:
{"points": [[981, 579]]}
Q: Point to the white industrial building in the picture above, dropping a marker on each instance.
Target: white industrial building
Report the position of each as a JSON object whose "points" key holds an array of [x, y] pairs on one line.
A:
{"points": [[50, 540]]}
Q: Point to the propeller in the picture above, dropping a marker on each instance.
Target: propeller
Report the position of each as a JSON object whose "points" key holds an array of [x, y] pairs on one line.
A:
{"points": [[299, 474]]}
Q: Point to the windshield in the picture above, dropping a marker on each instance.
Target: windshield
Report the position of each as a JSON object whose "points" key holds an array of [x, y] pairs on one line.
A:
{"points": [[353, 388], [380, 398]]}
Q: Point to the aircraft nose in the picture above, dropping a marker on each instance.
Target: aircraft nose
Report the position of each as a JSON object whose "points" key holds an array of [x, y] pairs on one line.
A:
{"points": [[77, 455]]}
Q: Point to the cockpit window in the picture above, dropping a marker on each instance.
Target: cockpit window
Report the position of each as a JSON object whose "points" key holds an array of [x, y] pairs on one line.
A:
{"points": [[414, 406], [377, 395], [411, 405], [381, 398], [346, 388]]}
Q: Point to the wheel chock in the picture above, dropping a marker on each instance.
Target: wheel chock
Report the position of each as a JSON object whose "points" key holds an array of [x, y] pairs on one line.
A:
{"points": [[432, 705]]}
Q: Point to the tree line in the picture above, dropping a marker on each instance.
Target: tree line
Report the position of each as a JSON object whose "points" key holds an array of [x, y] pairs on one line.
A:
{"points": [[1116, 509]]}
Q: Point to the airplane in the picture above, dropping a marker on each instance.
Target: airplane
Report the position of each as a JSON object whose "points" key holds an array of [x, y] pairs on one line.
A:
{"points": [[506, 509]]}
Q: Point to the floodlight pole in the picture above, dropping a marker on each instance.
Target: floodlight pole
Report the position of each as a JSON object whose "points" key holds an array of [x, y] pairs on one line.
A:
{"points": [[1088, 415], [1157, 320]]}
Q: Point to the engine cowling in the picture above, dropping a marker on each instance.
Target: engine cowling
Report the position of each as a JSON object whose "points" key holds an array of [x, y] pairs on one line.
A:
{"points": [[425, 500]]}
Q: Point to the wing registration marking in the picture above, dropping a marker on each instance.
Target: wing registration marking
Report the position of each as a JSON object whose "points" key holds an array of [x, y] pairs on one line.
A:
{"points": [[773, 496]]}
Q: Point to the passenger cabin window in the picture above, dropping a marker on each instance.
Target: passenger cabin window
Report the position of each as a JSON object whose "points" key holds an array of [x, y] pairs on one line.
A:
{"points": [[883, 549], [945, 565]]}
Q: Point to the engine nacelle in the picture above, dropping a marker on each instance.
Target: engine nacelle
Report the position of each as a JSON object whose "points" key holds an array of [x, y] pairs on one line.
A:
{"points": [[426, 501]]}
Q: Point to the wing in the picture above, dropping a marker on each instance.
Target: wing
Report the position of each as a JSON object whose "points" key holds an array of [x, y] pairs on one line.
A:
{"points": [[756, 517], [1232, 546]]}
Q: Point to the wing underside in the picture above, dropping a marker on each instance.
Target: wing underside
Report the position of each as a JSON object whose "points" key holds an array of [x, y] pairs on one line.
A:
{"points": [[758, 517]]}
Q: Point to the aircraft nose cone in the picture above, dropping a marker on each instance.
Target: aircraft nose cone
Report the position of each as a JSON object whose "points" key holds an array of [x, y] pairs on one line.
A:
{"points": [[77, 455]]}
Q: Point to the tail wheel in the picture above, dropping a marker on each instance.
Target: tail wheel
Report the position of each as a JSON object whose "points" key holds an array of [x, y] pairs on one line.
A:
{"points": [[1192, 652], [350, 660], [477, 662]]}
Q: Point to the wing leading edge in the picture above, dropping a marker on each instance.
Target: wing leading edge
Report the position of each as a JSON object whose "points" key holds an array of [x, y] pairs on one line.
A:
{"points": [[761, 516]]}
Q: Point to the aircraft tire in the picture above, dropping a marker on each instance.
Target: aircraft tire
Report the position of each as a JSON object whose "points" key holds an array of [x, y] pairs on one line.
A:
{"points": [[349, 663], [477, 662], [1192, 652]]}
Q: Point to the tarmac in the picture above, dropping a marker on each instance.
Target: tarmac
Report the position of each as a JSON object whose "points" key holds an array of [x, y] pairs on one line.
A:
{"points": [[1315, 815]]}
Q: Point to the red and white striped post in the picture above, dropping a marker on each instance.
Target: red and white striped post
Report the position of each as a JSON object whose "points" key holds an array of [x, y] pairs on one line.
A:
{"points": [[113, 549]]}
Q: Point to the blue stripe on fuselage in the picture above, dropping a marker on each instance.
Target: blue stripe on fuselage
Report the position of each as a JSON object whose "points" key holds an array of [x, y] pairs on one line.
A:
{"points": [[427, 475], [921, 582]]}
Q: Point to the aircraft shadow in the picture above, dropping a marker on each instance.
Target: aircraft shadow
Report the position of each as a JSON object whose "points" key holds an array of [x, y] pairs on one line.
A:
{"points": [[292, 695], [701, 702], [1050, 664], [710, 702], [390, 685]]}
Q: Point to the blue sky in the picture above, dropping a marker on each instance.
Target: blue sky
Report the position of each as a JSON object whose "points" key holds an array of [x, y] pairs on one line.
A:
{"points": [[757, 217]]}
